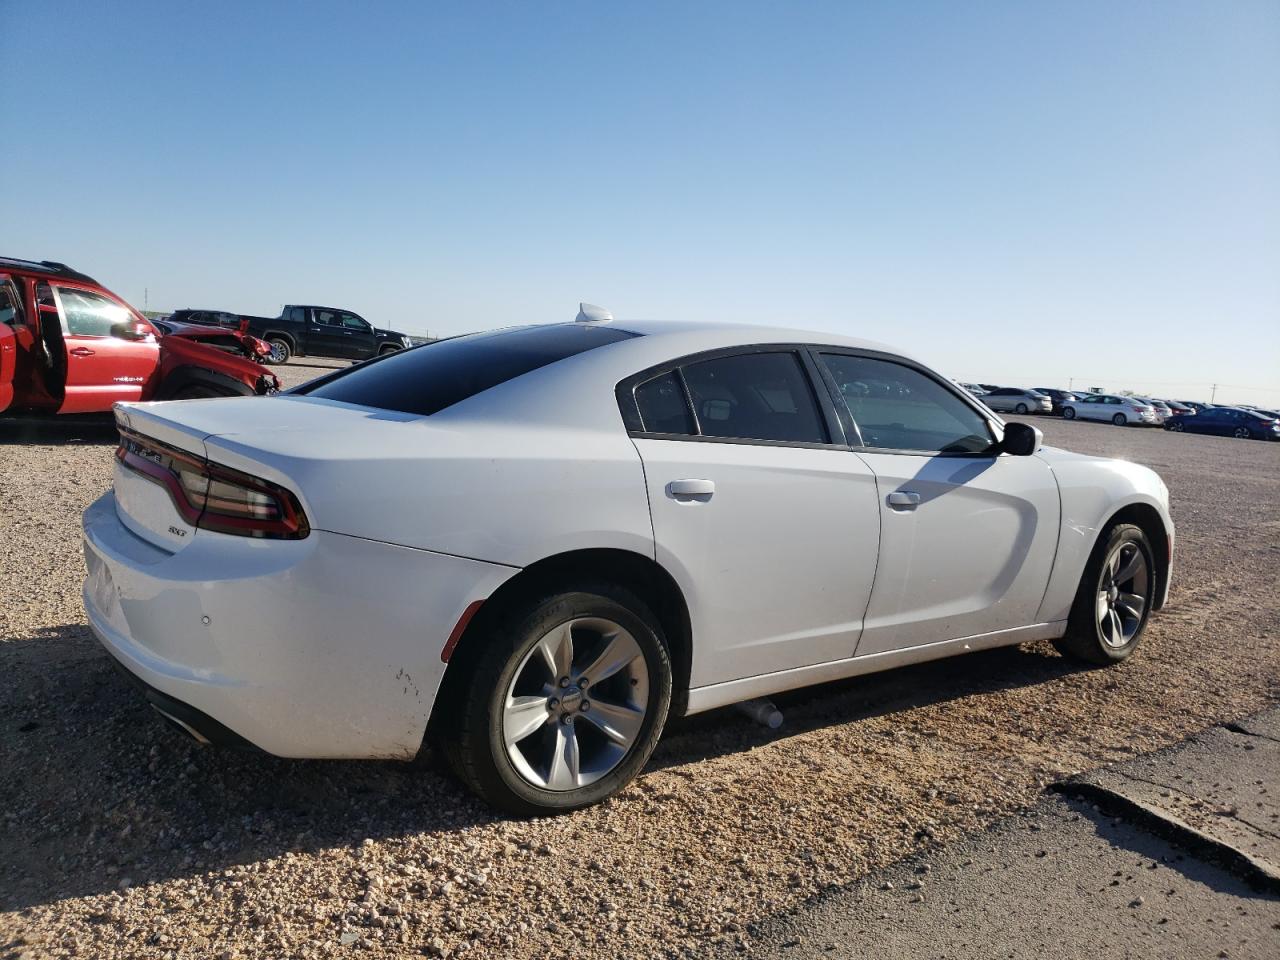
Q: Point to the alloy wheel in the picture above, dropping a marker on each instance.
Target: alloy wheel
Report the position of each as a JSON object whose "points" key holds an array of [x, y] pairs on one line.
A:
{"points": [[1242, 433], [277, 352], [1123, 589], [576, 704]]}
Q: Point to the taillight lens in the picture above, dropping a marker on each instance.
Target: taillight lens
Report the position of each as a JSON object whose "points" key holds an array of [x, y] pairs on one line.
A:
{"points": [[214, 497]]}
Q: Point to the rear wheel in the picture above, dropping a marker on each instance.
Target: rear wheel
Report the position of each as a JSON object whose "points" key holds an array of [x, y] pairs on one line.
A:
{"points": [[1242, 433], [1119, 419], [280, 351], [1068, 413], [1114, 599], [563, 704]]}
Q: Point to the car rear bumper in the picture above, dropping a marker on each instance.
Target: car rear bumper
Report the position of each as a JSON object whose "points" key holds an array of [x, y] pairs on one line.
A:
{"points": [[322, 647]]}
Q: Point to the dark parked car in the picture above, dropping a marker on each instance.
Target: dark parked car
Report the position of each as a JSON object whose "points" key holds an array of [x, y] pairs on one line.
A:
{"points": [[1228, 422], [1059, 397], [1178, 407], [324, 332], [213, 318]]}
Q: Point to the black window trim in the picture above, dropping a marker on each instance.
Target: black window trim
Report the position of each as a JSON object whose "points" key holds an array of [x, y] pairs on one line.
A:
{"points": [[630, 409], [994, 423]]}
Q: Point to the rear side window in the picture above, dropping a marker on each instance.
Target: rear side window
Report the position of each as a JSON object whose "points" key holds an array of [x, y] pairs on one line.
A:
{"points": [[427, 379], [755, 396], [663, 408]]}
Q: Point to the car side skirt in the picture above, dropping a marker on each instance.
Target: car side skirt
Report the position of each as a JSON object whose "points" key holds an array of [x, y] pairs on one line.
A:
{"points": [[721, 694]]}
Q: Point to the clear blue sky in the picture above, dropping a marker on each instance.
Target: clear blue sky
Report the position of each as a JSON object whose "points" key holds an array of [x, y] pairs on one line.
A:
{"points": [[1017, 192]]}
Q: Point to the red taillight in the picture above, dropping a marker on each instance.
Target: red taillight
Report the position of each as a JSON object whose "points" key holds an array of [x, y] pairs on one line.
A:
{"points": [[214, 497]]}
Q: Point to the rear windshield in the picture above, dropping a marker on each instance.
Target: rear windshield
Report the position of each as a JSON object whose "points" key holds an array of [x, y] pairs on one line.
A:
{"points": [[428, 379]]}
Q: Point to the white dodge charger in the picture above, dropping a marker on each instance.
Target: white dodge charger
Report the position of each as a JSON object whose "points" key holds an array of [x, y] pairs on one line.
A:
{"points": [[533, 546]]}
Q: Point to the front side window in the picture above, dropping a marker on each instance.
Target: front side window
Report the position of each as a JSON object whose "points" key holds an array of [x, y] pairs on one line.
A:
{"points": [[899, 408], [755, 396], [10, 304], [88, 314], [351, 322]]}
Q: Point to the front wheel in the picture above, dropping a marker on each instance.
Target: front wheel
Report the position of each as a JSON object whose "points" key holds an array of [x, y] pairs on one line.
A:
{"points": [[1068, 413], [1119, 419], [1114, 599], [280, 351], [562, 702], [388, 349], [1020, 408]]}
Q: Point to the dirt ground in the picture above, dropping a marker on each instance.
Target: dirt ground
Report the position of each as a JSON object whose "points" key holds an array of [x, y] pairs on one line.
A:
{"points": [[120, 838]]}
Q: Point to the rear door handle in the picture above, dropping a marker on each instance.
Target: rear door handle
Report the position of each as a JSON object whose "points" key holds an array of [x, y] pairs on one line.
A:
{"points": [[699, 490], [904, 499], [82, 352]]}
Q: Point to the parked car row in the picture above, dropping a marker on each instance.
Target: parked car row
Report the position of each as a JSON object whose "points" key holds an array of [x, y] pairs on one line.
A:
{"points": [[1245, 422], [70, 345]]}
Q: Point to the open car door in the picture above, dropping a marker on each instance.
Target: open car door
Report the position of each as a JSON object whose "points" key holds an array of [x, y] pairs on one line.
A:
{"points": [[10, 313], [109, 354]]}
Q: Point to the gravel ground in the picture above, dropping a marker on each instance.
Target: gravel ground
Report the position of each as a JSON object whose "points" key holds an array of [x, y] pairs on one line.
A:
{"points": [[120, 838]]}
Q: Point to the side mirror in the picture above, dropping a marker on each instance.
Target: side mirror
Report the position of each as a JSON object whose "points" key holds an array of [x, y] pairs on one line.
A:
{"points": [[130, 330], [1021, 439]]}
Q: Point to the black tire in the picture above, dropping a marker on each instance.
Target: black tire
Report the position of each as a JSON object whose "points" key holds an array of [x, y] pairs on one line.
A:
{"points": [[1120, 420], [1178, 428], [1243, 433], [387, 348], [1084, 638], [1021, 408], [472, 737], [280, 351], [1068, 413], [199, 391]]}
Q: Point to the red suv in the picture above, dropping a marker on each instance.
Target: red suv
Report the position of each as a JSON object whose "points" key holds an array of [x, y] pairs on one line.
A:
{"points": [[69, 345]]}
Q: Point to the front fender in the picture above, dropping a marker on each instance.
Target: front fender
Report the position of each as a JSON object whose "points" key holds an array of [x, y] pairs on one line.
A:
{"points": [[1094, 491]]}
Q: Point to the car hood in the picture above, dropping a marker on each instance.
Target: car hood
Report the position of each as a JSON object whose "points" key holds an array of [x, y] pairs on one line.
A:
{"points": [[389, 334]]}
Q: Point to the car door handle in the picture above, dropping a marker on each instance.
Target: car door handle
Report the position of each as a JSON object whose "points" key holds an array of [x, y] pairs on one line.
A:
{"points": [[82, 352], [904, 499], [686, 490]]}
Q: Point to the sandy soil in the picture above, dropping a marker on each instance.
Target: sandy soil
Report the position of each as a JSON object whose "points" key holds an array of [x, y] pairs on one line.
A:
{"points": [[120, 838]]}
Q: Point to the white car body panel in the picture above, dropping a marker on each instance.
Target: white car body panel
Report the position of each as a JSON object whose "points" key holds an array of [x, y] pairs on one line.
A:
{"points": [[794, 571], [1094, 489], [742, 542], [972, 557], [311, 648]]}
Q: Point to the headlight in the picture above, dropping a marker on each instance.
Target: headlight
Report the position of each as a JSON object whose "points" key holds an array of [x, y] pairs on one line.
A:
{"points": [[406, 341]]}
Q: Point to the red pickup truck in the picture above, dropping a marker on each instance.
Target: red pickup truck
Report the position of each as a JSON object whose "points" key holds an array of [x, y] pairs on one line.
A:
{"points": [[69, 345]]}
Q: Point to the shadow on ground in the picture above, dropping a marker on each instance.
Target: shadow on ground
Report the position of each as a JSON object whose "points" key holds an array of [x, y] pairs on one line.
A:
{"points": [[97, 788], [82, 429]]}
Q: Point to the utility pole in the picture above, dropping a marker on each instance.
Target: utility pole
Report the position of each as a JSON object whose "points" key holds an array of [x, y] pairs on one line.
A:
{"points": [[1071, 383], [1213, 398], [145, 293]]}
